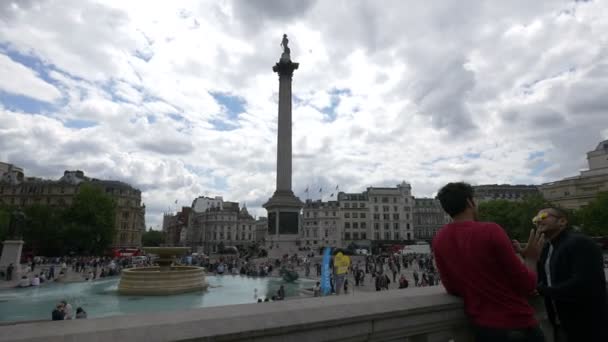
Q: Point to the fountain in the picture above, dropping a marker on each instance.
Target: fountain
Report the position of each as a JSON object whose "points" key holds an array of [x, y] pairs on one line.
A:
{"points": [[164, 279]]}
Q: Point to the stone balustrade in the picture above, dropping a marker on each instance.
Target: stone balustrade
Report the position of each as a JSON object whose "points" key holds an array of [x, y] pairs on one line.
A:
{"points": [[416, 314]]}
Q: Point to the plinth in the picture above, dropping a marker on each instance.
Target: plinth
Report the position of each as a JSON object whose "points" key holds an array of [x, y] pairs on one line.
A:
{"points": [[11, 254]]}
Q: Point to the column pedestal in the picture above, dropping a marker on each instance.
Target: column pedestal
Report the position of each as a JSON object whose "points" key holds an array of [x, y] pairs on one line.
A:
{"points": [[11, 254]]}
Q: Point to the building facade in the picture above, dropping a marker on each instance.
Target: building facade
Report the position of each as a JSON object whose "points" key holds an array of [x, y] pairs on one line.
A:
{"points": [[175, 225], [226, 225], [429, 217], [575, 192], [19, 191], [377, 214], [491, 192], [320, 224]]}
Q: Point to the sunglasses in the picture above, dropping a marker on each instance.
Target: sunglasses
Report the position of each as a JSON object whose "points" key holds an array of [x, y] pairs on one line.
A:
{"points": [[541, 216]]}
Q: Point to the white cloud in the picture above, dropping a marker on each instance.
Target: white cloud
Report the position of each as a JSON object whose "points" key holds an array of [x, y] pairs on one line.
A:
{"points": [[20, 80], [417, 90]]}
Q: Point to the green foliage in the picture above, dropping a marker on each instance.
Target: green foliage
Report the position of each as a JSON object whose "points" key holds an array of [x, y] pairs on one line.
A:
{"points": [[85, 228], [153, 238], [89, 221], [593, 218], [514, 217]]}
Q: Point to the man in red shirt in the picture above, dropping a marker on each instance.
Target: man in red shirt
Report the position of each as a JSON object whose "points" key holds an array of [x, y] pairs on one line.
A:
{"points": [[476, 261]]}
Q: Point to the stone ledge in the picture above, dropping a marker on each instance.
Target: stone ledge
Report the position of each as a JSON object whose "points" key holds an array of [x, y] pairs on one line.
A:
{"points": [[420, 313]]}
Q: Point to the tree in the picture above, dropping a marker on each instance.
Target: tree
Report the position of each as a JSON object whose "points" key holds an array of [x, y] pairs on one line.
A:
{"points": [[89, 221], [44, 230], [153, 238], [593, 217], [514, 217]]}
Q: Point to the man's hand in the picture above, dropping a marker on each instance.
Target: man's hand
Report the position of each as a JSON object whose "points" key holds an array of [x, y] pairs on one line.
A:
{"points": [[517, 246], [536, 242]]}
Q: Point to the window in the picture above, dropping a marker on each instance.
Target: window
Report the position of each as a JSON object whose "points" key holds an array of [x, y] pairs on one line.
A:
{"points": [[386, 226], [326, 213], [346, 236], [355, 236], [363, 236], [375, 208], [355, 215], [394, 199], [326, 233], [395, 216], [375, 199], [387, 236], [315, 233], [395, 208], [346, 225], [377, 236], [355, 225], [363, 225], [408, 226], [361, 205], [346, 215], [407, 216], [386, 216], [376, 226], [307, 232], [362, 215], [307, 214], [346, 205], [333, 213], [396, 225], [396, 235], [376, 216]]}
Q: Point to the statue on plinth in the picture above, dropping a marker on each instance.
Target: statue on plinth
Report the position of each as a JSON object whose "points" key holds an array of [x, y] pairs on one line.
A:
{"points": [[285, 56], [15, 225]]}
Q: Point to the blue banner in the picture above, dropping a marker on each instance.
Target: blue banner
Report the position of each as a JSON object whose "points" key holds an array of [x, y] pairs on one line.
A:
{"points": [[326, 272]]}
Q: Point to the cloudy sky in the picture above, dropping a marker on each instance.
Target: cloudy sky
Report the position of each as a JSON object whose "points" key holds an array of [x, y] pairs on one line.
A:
{"points": [[178, 98]]}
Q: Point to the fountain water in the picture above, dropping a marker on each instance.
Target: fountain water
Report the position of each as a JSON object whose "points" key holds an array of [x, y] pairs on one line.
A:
{"points": [[164, 279]]}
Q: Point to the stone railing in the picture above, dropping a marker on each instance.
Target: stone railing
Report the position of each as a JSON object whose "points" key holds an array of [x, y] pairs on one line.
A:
{"points": [[416, 315]]}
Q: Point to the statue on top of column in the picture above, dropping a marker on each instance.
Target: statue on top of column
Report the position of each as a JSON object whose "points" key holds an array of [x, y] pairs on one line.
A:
{"points": [[285, 56]]}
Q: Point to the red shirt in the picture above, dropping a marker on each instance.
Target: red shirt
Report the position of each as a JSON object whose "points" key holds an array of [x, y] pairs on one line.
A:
{"points": [[476, 261]]}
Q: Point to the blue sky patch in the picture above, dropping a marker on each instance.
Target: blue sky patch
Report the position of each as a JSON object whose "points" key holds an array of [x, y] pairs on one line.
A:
{"points": [[335, 94], [471, 155], [233, 106], [79, 124], [21, 103]]}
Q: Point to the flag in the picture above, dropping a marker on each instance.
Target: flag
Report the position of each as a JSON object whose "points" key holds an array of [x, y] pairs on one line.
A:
{"points": [[306, 191], [320, 189], [337, 186], [175, 201], [332, 195]]}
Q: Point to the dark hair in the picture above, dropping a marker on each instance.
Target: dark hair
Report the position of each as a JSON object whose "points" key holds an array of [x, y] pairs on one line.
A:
{"points": [[454, 196], [559, 212], [79, 310]]}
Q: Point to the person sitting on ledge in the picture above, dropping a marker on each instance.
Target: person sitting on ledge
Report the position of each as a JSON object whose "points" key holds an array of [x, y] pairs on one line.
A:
{"points": [[80, 313], [36, 281], [24, 282]]}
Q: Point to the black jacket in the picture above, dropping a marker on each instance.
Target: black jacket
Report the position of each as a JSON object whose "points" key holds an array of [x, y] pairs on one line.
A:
{"points": [[578, 287]]}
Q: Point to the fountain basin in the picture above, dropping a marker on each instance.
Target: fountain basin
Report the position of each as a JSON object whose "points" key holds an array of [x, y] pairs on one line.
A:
{"points": [[154, 281]]}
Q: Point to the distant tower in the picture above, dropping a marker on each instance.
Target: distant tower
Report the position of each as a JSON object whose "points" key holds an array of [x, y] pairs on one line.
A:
{"points": [[284, 207]]}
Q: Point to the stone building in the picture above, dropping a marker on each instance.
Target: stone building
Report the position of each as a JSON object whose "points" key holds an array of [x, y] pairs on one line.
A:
{"points": [[226, 224], [174, 224], [17, 190], [575, 192], [320, 224], [429, 217], [490, 192], [261, 229], [377, 214]]}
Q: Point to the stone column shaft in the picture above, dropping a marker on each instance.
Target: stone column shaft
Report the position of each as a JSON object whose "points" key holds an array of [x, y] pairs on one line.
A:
{"points": [[284, 134]]}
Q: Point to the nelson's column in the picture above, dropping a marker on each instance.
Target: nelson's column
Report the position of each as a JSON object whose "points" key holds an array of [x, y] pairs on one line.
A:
{"points": [[283, 207]]}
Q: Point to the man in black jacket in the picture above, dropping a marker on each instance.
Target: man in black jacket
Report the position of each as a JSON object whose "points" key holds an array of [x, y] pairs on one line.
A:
{"points": [[571, 278]]}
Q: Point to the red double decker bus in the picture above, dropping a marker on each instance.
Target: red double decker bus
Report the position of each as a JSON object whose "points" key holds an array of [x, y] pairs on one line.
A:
{"points": [[126, 252]]}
